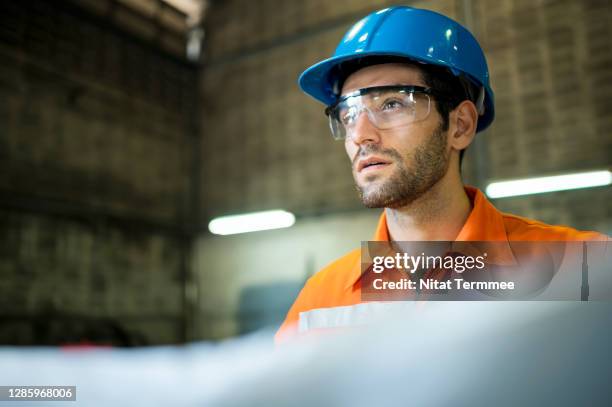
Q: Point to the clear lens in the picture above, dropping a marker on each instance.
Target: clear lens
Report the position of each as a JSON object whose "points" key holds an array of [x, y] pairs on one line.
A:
{"points": [[386, 109]]}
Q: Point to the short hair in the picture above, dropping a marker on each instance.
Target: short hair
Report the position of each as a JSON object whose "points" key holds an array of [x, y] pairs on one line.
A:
{"points": [[456, 88]]}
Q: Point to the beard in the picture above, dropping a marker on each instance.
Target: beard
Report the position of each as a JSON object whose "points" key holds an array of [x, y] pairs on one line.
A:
{"points": [[430, 161]]}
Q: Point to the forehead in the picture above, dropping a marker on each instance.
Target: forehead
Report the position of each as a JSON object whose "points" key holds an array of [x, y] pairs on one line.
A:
{"points": [[383, 75]]}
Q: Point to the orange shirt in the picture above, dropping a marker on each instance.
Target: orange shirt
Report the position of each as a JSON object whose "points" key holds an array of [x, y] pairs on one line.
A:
{"points": [[337, 284]]}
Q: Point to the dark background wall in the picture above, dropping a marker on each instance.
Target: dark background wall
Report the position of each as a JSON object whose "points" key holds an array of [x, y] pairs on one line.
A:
{"points": [[96, 129], [551, 70]]}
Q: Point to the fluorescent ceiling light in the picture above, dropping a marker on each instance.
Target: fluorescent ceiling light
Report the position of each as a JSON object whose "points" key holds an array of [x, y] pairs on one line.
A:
{"points": [[541, 185], [251, 222]]}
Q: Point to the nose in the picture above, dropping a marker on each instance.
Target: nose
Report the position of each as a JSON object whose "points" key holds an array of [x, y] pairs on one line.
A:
{"points": [[364, 131]]}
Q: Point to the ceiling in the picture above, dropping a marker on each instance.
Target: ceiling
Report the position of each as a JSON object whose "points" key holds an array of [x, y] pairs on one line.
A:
{"points": [[167, 24]]}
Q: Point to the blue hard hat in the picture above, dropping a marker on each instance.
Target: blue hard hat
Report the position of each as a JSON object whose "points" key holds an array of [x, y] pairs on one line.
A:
{"points": [[416, 34]]}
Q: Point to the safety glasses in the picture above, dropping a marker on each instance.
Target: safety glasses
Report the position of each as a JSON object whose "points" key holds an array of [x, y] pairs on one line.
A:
{"points": [[387, 107]]}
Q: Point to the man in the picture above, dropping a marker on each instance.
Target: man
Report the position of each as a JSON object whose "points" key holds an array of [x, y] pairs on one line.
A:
{"points": [[407, 90]]}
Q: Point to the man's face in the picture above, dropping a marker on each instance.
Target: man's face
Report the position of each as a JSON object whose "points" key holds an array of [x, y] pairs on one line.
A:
{"points": [[413, 158]]}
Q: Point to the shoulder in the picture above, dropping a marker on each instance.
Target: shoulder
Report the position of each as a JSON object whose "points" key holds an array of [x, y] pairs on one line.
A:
{"points": [[520, 228], [332, 285], [327, 288], [338, 270]]}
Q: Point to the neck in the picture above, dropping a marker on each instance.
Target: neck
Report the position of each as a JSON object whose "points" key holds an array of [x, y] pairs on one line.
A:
{"points": [[439, 214]]}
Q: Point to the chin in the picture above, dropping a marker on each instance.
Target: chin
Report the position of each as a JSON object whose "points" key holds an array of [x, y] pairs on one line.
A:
{"points": [[371, 197]]}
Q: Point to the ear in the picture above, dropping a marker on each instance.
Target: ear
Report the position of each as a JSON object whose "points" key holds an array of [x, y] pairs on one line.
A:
{"points": [[463, 122]]}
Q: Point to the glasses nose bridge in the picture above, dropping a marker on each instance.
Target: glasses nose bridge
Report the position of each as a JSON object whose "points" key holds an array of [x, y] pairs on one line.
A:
{"points": [[357, 132], [361, 107]]}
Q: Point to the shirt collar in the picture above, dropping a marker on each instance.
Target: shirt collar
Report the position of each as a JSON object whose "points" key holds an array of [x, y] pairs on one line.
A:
{"points": [[485, 224]]}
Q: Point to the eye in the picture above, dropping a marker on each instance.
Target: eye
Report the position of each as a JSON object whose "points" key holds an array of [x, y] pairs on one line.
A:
{"points": [[347, 116], [391, 104]]}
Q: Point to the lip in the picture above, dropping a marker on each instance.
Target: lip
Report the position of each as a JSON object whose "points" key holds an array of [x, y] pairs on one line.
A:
{"points": [[372, 163]]}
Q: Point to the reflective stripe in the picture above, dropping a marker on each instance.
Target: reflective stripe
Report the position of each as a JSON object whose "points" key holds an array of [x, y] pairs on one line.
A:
{"points": [[350, 315]]}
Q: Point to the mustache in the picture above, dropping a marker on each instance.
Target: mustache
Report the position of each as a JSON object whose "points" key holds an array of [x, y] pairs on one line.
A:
{"points": [[368, 149]]}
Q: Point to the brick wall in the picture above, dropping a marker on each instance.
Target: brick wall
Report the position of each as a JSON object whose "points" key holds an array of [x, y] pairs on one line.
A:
{"points": [[95, 138], [551, 68], [64, 280]]}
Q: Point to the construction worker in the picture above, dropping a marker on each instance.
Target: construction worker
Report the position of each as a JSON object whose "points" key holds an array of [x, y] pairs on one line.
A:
{"points": [[406, 91]]}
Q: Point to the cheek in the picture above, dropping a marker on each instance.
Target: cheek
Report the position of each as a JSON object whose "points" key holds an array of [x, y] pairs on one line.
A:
{"points": [[351, 149]]}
